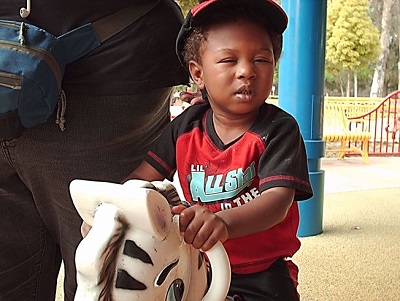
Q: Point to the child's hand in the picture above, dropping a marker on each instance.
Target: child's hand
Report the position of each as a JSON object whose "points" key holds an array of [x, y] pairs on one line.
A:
{"points": [[200, 227]]}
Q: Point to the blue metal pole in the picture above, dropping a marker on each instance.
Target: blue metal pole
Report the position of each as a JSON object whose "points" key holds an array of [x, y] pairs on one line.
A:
{"points": [[301, 82]]}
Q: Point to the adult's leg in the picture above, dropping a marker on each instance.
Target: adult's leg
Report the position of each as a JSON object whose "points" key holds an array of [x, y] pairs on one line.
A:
{"points": [[29, 258], [105, 138]]}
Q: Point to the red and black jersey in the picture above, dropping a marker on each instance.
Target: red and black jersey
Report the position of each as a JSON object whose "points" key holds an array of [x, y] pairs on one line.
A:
{"points": [[270, 154]]}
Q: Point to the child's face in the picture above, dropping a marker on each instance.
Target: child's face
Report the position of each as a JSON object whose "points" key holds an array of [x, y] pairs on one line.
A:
{"points": [[237, 67]]}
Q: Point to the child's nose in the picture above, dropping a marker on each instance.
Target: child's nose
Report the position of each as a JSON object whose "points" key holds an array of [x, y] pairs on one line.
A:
{"points": [[246, 70]]}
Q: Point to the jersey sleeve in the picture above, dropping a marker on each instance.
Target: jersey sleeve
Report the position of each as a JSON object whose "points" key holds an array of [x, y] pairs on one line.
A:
{"points": [[161, 156], [284, 161]]}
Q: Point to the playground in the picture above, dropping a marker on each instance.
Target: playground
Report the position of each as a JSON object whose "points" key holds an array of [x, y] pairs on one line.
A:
{"points": [[350, 248]]}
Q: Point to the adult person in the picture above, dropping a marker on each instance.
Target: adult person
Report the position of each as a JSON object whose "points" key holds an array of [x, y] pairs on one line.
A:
{"points": [[117, 101]]}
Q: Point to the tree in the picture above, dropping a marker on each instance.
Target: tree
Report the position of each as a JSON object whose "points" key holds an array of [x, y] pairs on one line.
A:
{"points": [[186, 5], [377, 86], [352, 39]]}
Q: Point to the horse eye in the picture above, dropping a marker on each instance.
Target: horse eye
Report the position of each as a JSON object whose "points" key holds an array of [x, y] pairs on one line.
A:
{"points": [[165, 272], [175, 291]]}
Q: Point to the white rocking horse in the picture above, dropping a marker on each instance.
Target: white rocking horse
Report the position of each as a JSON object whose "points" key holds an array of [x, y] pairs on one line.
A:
{"points": [[134, 250]]}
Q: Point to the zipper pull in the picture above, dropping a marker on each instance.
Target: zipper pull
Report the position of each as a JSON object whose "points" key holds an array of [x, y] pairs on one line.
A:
{"points": [[24, 12], [21, 37]]}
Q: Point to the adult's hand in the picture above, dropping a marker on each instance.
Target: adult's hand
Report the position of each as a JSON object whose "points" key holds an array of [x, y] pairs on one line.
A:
{"points": [[85, 228], [192, 97]]}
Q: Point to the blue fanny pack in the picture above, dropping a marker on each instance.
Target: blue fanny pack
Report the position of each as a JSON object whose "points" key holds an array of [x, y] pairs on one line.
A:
{"points": [[33, 61]]}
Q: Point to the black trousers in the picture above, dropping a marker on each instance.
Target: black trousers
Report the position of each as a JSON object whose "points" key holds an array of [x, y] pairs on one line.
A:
{"points": [[106, 137], [273, 284]]}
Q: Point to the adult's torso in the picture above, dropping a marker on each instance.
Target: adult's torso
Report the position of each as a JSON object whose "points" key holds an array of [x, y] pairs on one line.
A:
{"points": [[140, 58]]}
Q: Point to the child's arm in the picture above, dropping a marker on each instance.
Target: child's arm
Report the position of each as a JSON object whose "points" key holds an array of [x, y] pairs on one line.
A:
{"points": [[262, 213], [145, 172], [203, 229]]}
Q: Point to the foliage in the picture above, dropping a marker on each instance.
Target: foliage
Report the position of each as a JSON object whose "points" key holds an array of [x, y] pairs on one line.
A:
{"points": [[352, 39], [392, 71], [186, 5]]}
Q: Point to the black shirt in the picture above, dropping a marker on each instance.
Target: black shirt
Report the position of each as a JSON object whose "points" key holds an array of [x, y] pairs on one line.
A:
{"points": [[140, 58]]}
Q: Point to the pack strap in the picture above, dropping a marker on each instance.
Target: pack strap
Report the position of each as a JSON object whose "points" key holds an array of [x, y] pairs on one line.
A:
{"points": [[112, 24]]}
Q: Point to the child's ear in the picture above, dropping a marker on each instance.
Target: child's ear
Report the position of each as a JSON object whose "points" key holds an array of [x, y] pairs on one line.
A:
{"points": [[196, 71]]}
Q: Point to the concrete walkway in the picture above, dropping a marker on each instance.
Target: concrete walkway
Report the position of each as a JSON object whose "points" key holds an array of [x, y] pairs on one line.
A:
{"points": [[352, 174], [357, 256]]}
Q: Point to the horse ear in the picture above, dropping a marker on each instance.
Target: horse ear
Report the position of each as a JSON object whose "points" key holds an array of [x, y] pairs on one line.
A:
{"points": [[159, 213], [138, 201], [87, 196]]}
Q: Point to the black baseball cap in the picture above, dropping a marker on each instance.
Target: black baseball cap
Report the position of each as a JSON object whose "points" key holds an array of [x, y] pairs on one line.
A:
{"points": [[275, 15]]}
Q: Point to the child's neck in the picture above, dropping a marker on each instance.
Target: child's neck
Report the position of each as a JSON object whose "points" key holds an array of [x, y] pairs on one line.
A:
{"points": [[229, 129]]}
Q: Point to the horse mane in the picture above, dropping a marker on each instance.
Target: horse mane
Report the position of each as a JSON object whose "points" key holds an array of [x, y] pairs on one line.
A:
{"points": [[169, 191], [108, 269]]}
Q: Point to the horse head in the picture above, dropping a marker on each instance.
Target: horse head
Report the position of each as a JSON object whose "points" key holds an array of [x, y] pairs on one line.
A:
{"points": [[134, 250]]}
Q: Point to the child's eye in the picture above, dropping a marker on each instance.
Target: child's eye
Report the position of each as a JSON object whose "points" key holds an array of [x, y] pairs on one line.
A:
{"points": [[262, 60], [228, 60]]}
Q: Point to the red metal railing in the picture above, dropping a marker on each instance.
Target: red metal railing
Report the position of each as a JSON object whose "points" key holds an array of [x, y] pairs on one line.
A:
{"points": [[383, 122]]}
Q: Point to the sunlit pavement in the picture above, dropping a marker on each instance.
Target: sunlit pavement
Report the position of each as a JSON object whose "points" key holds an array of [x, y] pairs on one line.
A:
{"points": [[356, 257]]}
